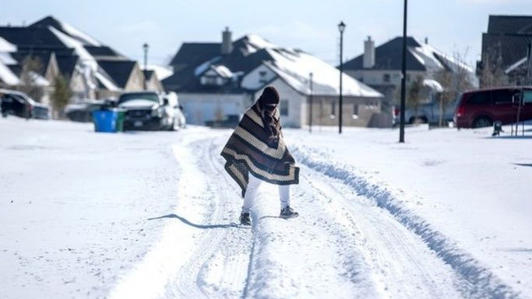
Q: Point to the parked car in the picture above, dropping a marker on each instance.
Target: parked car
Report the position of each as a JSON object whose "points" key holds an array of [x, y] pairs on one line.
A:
{"points": [[231, 121], [20, 104], [481, 108], [151, 111], [426, 113], [82, 111]]}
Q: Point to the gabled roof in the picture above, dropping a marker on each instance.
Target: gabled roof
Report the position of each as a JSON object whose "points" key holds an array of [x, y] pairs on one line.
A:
{"points": [[388, 56], [67, 29], [195, 53], [251, 52], [103, 51], [31, 37], [148, 74], [194, 56], [67, 64], [43, 57], [498, 24], [118, 70]]}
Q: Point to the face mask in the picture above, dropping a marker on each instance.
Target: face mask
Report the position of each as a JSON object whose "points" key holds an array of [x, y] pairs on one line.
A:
{"points": [[269, 108]]}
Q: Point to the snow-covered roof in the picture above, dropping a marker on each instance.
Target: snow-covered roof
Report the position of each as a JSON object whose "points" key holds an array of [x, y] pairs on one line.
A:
{"points": [[200, 69], [255, 42], [85, 56], [69, 30], [222, 71], [7, 76], [6, 46], [515, 65], [79, 35], [432, 58], [433, 84], [251, 52], [7, 59], [89, 65], [161, 71], [38, 79], [295, 67]]}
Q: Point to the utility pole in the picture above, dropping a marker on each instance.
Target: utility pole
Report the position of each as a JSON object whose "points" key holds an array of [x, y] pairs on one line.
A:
{"points": [[341, 28], [145, 47], [403, 80], [310, 105]]}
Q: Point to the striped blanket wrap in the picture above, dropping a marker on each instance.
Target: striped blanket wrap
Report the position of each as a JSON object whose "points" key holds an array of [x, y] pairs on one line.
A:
{"points": [[247, 150]]}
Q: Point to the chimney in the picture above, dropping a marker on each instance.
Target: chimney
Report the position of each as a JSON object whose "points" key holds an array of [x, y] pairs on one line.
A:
{"points": [[369, 53], [227, 44]]}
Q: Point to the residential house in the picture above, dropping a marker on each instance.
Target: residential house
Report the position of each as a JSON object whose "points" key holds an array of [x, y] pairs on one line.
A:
{"points": [[380, 67], [93, 69], [215, 80], [152, 81], [505, 49]]}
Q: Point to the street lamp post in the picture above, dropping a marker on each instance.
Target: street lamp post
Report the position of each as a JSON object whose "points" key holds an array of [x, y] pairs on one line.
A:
{"points": [[403, 80], [310, 105], [341, 28], [145, 46]]}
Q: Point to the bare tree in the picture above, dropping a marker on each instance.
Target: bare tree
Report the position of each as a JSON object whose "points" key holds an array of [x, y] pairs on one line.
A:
{"points": [[31, 67], [491, 69], [414, 96], [454, 81]]}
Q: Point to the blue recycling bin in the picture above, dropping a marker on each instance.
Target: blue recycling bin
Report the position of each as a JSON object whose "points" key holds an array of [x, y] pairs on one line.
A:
{"points": [[105, 120]]}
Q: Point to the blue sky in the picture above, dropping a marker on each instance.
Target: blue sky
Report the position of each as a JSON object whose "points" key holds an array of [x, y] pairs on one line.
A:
{"points": [[453, 26]]}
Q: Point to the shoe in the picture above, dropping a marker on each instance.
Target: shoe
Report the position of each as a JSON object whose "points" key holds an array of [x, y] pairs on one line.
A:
{"points": [[245, 219], [287, 212]]}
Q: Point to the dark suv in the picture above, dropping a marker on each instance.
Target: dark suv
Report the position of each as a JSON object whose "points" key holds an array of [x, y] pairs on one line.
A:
{"points": [[17, 103], [480, 108]]}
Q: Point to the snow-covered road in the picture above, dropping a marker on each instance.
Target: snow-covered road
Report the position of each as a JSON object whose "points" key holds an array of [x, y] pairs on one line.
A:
{"points": [[342, 246], [172, 190]]}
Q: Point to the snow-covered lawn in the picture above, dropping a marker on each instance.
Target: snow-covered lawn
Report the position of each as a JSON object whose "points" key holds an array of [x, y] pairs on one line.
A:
{"points": [[154, 215]]}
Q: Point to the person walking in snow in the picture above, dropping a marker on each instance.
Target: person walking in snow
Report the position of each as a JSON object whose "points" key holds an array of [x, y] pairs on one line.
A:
{"points": [[256, 152]]}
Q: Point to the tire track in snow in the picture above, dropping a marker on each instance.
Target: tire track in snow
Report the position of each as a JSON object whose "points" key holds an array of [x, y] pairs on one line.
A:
{"points": [[219, 266], [401, 264], [482, 282], [179, 264]]}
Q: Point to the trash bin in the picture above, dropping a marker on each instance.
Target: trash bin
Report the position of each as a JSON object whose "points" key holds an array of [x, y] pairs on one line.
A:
{"points": [[121, 114], [104, 120]]}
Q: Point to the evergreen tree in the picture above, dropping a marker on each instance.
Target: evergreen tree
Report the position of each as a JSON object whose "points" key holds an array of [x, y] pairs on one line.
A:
{"points": [[61, 94], [414, 93]]}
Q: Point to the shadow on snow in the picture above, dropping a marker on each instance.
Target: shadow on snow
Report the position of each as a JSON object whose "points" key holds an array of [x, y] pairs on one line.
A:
{"points": [[201, 226]]}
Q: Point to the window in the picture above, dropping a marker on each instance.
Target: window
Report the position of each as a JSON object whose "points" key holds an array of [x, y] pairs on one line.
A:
{"points": [[209, 80], [407, 77], [386, 78], [355, 112], [480, 98], [527, 97], [333, 109], [355, 109], [284, 108], [503, 96]]}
